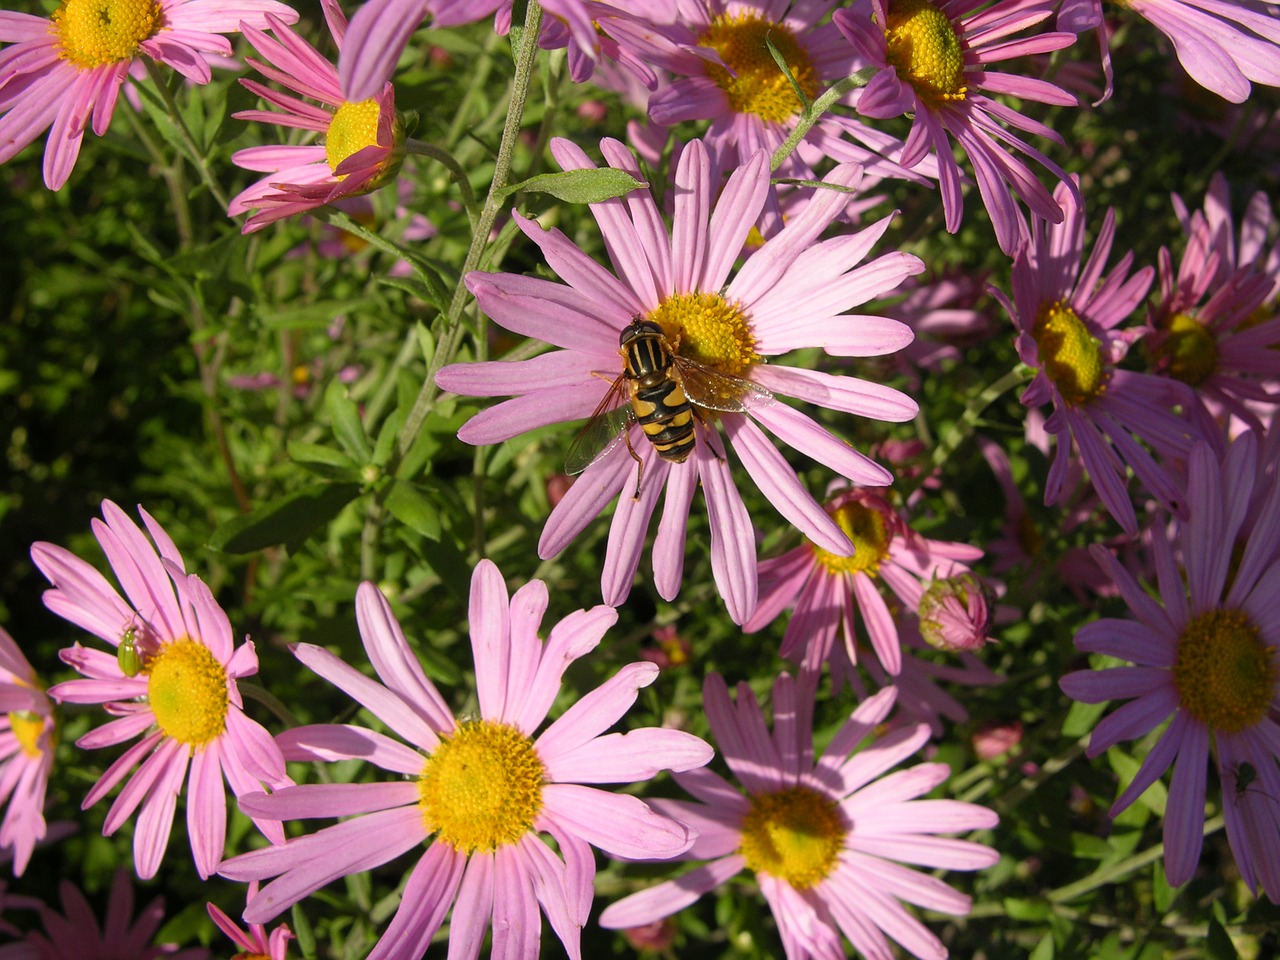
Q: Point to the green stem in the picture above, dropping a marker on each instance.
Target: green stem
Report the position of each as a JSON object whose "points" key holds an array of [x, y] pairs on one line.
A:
{"points": [[194, 153], [420, 148], [269, 700], [174, 181], [813, 113]]}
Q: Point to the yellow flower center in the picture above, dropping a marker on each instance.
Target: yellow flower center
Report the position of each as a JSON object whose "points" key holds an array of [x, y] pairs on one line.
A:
{"points": [[1185, 350], [1069, 353], [706, 328], [1224, 673], [27, 727], [482, 788], [354, 126], [97, 32], [794, 835], [760, 86], [869, 533], [926, 50], [187, 689]]}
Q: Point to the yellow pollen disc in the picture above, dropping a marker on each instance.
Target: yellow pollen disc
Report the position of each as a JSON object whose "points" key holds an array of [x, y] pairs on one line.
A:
{"points": [[794, 835], [760, 86], [354, 126], [926, 50], [1069, 354], [1185, 350], [27, 727], [867, 531], [482, 788], [187, 689], [706, 328], [1224, 673], [97, 32]]}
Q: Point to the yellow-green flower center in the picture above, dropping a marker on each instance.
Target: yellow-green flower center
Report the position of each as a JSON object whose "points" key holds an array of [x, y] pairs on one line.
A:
{"points": [[706, 328], [868, 531], [1069, 353], [760, 86], [482, 787], [354, 126], [187, 689], [1185, 350], [794, 835], [92, 33], [27, 727], [926, 50], [1224, 673]]}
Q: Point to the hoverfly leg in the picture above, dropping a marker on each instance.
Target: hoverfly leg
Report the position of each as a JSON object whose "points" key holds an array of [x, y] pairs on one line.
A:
{"points": [[640, 463], [697, 413]]}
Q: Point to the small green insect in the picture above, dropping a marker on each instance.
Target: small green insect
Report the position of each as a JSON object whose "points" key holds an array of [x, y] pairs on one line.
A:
{"points": [[1245, 775], [127, 655]]}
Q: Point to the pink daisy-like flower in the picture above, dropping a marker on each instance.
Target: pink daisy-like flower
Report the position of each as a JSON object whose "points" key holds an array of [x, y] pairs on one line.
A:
{"points": [[254, 943], [827, 838], [65, 71], [478, 792], [1206, 655], [790, 293], [363, 138], [170, 679], [933, 62], [825, 588], [1215, 326], [75, 934], [1068, 319], [26, 753]]}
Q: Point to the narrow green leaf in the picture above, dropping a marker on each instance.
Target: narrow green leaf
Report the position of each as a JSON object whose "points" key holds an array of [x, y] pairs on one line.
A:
{"points": [[346, 422], [579, 186], [414, 509], [303, 931], [781, 61], [1218, 945], [289, 520], [1044, 950], [312, 316]]}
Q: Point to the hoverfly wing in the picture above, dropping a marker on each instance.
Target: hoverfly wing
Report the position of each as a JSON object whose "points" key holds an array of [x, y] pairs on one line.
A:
{"points": [[720, 391], [603, 431]]}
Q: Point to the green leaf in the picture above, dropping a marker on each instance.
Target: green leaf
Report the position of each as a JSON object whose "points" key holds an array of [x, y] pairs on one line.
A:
{"points": [[781, 61], [289, 520], [433, 293], [1027, 909], [1162, 894], [325, 461], [1044, 950], [347, 427], [579, 186], [414, 509], [312, 316], [1218, 945], [302, 930]]}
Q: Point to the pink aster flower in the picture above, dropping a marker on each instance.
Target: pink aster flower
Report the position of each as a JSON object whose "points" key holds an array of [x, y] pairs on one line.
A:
{"points": [[363, 138], [478, 793], [169, 679], [1206, 655], [825, 589], [67, 70], [254, 943], [1214, 325], [75, 934], [934, 62], [827, 837], [1068, 318], [26, 753], [790, 293]]}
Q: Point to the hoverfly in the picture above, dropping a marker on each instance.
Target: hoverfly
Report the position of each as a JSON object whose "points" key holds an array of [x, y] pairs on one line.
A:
{"points": [[660, 388]]}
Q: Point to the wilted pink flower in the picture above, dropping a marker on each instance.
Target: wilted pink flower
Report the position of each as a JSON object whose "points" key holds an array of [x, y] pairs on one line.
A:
{"points": [[827, 838], [1206, 655], [790, 293], [934, 63], [66, 71], [477, 793], [75, 934], [170, 679], [26, 753], [1068, 317], [363, 139]]}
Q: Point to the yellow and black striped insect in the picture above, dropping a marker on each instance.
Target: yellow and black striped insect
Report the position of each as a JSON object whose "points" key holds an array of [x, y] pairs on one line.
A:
{"points": [[658, 389]]}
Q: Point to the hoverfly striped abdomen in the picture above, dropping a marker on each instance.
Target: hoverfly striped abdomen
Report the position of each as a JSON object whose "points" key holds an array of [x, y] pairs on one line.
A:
{"points": [[655, 391]]}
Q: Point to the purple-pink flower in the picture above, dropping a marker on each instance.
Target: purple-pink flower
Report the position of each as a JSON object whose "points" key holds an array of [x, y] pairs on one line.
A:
{"points": [[26, 753], [934, 63], [1205, 655], [827, 837], [169, 679], [254, 943], [478, 793], [791, 292], [363, 138], [64, 73]]}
